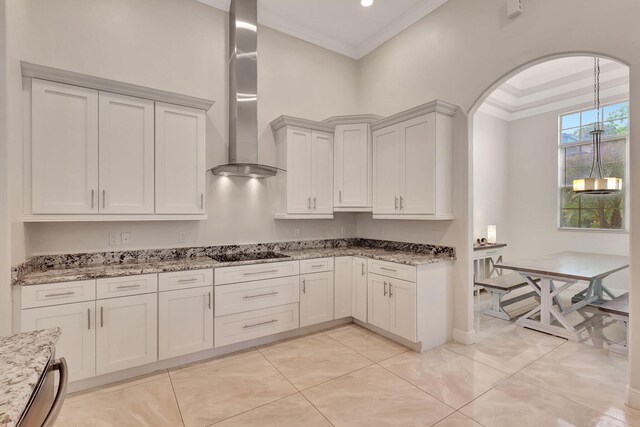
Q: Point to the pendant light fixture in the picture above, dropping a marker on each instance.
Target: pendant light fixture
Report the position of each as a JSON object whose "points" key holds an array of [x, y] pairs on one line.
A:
{"points": [[596, 183]]}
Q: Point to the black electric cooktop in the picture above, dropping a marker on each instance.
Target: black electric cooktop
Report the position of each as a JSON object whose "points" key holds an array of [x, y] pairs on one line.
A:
{"points": [[248, 256]]}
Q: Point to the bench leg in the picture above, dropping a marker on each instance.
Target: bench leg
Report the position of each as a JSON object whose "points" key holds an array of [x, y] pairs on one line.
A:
{"points": [[621, 347], [496, 309]]}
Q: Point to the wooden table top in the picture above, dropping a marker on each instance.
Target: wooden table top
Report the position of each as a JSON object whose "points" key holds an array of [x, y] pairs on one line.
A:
{"points": [[619, 306], [570, 265]]}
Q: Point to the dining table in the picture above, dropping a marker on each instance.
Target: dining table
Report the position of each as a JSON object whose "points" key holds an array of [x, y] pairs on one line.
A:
{"points": [[554, 274]]}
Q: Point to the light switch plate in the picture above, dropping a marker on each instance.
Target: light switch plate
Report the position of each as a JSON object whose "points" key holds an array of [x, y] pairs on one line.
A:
{"points": [[114, 239], [182, 237], [126, 238]]}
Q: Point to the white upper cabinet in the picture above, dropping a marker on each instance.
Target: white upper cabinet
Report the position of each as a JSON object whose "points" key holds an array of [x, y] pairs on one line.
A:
{"points": [[126, 155], [305, 153], [64, 149], [180, 162], [412, 167], [352, 167]]}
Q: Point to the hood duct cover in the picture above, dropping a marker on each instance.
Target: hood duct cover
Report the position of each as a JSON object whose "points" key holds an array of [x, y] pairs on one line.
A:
{"points": [[243, 94]]}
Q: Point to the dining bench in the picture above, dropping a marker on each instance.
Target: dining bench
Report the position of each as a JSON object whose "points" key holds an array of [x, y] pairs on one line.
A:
{"points": [[618, 309], [499, 287]]}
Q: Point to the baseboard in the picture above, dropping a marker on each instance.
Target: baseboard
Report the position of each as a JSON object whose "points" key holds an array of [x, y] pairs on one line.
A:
{"points": [[412, 345], [633, 398], [463, 337]]}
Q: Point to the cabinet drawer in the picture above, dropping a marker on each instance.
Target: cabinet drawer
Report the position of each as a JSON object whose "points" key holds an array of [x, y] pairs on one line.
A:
{"points": [[255, 324], [124, 286], [316, 265], [246, 273], [391, 269], [487, 253], [185, 279], [241, 297], [58, 293]]}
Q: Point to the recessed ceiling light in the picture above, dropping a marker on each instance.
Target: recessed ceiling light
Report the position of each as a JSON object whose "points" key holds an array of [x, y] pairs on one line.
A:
{"points": [[366, 3]]}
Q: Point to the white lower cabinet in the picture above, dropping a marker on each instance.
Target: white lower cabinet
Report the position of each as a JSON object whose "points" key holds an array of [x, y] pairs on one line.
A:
{"points": [[343, 267], [185, 321], [392, 305], [127, 332], [240, 327], [77, 344], [359, 289], [316, 298]]}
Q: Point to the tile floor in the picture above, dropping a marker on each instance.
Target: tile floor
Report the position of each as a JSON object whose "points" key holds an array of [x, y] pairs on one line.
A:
{"points": [[349, 376]]}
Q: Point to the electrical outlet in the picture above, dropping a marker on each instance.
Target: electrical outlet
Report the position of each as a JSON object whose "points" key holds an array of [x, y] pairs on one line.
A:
{"points": [[182, 237], [296, 232], [126, 238], [114, 239], [342, 232]]}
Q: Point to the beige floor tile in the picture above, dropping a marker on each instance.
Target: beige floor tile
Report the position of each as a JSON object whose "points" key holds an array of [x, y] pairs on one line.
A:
{"points": [[312, 360], [375, 397], [210, 362], [211, 392], [506, 346], [457, 420], [454, 379], [517, 403], [369, 344], [92, 392], [151, 403], [291, 411], [593, 377]]}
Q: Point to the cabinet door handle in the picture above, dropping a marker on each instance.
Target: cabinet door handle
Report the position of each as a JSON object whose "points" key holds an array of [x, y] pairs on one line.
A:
{"points": [[92, 197], [59, 294], [388, 269], [102, 317], [304, 286], [340, 196], [315, 205], [317, 266], [187, 280], [201, 200], [362, 265], [137, 285], [401, 202], [269, 294], [260, 324], [209, 300], [104, 199], [309, 202], [390, 289], [259, 272], [385, 289], [396, 202], [88, 318]]}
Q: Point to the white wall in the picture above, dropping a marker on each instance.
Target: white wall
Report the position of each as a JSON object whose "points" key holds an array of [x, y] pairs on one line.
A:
{"points": [[179, 46], [5, 274], [491, 203]]}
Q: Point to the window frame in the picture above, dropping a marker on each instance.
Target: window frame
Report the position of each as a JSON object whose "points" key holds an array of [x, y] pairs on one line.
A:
{"points": [[561, 168]]}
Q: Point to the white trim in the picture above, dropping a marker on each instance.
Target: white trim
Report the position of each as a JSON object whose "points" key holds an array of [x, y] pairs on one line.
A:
{"points": [[303, 216], [111, 218], [283, 121], [463, 337], [98, 83], [437, 106], [353, 209], [633, 397], [352, 119], [416, 217]]}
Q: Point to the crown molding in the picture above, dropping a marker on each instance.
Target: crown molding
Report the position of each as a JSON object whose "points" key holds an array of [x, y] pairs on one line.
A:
{"points": [[430, 107], [283, 121], [352, 119]]}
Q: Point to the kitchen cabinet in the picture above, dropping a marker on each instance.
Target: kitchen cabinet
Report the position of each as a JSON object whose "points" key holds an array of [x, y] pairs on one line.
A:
{"points": [[412, 164], [180, 162], [352, 167], [64, 149], [127, 332], [342, 282], [304, 150], [126, 155], [185, 321], [77, 344], [359, 289], [392, 305], [316, 298]]}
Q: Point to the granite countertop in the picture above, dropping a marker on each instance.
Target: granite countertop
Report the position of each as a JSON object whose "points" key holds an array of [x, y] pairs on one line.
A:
{"points": [[71, 267], [23, 358]]}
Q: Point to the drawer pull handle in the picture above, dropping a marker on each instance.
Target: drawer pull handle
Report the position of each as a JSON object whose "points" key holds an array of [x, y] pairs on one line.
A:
{"points": [[128, 286], [385, 289], [362, 265], [194, 279], [60, 294], [388, 269], [261, 295], [317, 266], [259, 272], [260, 324]]}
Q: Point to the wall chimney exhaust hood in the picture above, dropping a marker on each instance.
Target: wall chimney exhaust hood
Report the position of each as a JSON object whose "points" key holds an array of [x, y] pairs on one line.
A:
{"points": [[243, 94]]}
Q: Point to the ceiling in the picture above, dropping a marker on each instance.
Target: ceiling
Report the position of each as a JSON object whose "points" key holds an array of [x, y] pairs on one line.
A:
{"points": [[556, 84], [343, 26]]}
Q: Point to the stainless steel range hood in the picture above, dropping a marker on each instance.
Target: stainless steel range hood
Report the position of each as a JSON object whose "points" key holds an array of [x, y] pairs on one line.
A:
{"points": [[243, 94]]}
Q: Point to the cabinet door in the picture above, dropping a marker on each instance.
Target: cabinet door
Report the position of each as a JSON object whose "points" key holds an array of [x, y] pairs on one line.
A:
{"points": [[322, 172], [351, 166], [378, 298], [386, 170], [359, 289], [316, 298], [185, 322], [127, 332], [298, 171], [402, 319], [418, 174], [342, 274], [77, 344], [64, 149], [180, 162], [126, 155]]}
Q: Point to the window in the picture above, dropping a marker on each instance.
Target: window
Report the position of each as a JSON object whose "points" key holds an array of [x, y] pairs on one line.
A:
{"points": [[593, 211]]}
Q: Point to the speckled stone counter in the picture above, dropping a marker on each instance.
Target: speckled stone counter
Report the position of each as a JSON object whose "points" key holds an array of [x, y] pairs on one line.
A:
{"points": [[23, 358], [65, 268]]}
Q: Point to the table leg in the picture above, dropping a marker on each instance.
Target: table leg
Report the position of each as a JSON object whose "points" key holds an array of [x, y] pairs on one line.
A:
{"points": [[545, 301]]}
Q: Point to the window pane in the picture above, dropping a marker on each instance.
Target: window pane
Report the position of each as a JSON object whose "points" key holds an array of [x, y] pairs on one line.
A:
{"points": [[589, 117], [616, 111], [614, 151], [585, 134], [571, 174], [569, 199], [570, 218], [589, 219], [613, 170], [570, 135], [572, 157], [570, 121], [616, 127]]}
